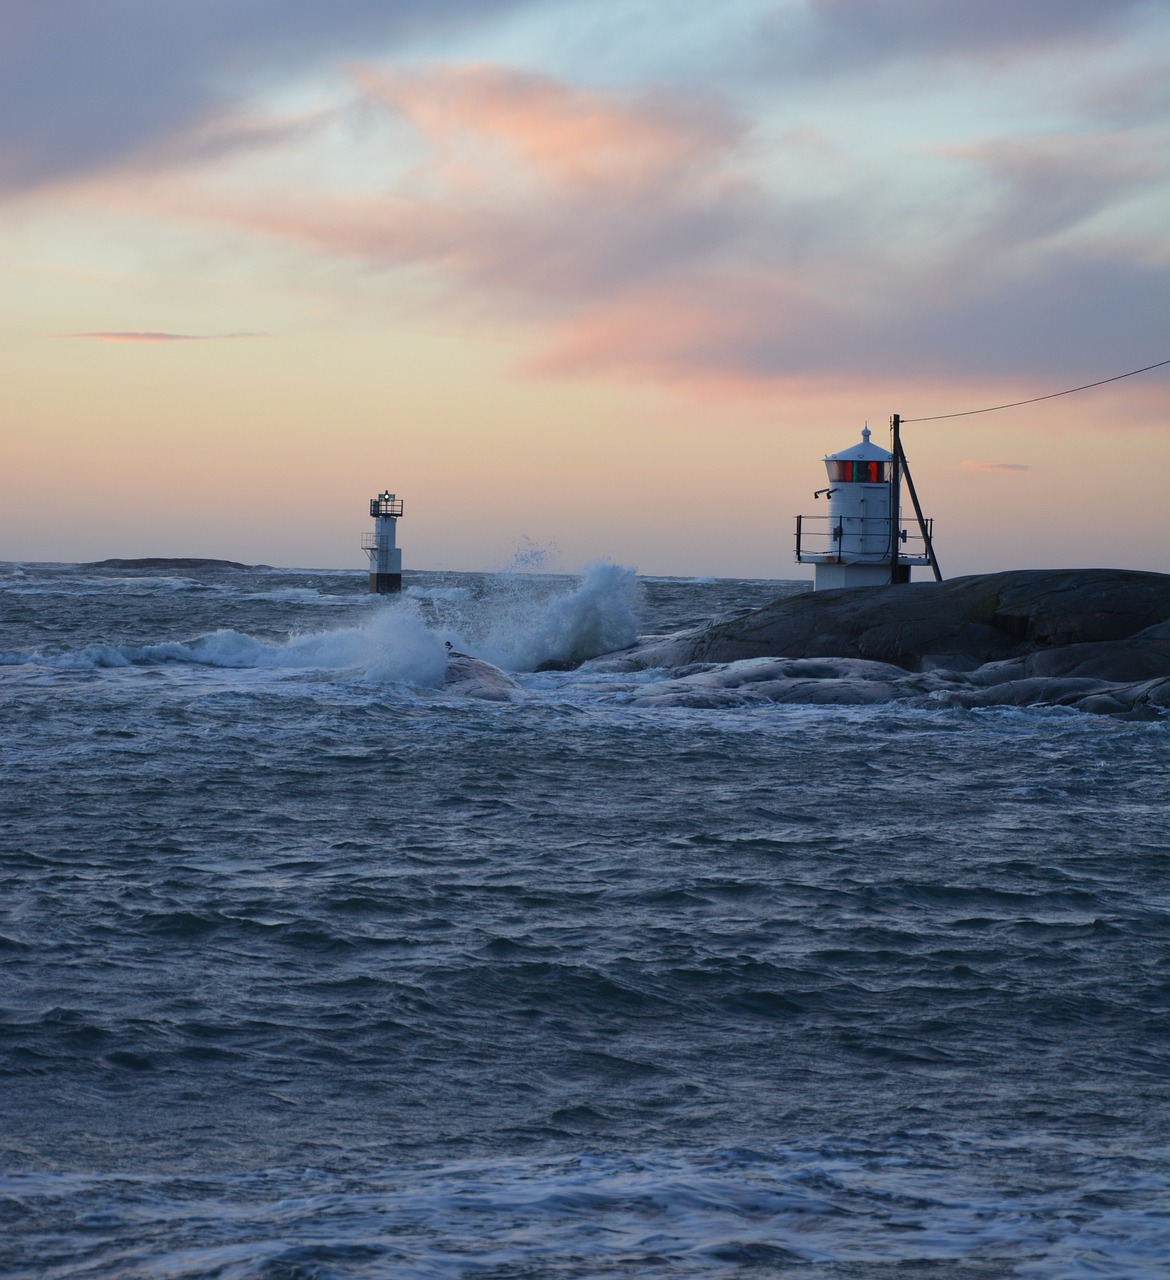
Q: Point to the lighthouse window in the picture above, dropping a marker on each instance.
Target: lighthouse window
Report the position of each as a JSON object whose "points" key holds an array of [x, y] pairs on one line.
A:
{"points": [[858, 472]]}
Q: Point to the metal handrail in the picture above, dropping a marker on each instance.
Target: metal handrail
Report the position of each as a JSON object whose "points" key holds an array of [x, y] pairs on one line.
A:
{"points": [[829, 530], [385, 506]]}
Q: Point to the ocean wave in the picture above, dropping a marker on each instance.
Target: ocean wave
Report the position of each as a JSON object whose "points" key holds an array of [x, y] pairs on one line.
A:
{"points": [[394, 645], [826, 1210], [287, 595], [438, 593], [522, 623], [525, 624]]}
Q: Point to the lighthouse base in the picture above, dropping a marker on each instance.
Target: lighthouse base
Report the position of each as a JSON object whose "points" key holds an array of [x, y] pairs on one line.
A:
{"points": [[829, 575], [385, 584]]}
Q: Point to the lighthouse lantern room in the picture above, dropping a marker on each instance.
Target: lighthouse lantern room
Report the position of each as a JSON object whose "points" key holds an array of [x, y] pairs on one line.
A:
{"points": [[385, 557], [861, 542]]}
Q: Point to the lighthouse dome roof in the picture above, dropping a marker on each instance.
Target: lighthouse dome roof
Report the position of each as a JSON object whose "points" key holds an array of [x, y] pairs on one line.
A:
{"points": [[863, 452]]}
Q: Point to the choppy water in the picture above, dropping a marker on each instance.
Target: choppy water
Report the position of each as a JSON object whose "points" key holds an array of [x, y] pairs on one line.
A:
{"points": [[311, 969]]}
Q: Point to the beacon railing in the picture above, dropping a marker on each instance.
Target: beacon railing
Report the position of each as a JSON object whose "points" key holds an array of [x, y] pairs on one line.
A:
{"points": [[861, 538], [385, 506]]}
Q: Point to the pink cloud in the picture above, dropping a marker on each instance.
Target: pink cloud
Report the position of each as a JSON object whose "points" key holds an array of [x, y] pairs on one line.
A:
{"points": [[559, 133], [623, 229], [715, 325], [539, 196], [136, 336], [145, 335], [969, 464]]}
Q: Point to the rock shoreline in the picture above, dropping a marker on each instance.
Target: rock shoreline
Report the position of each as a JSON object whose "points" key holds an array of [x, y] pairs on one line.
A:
{"points": [[1094, 639]]}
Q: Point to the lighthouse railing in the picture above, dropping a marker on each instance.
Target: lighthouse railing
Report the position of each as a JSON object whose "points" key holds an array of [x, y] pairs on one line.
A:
{"points": [[859, 540], [385, 506]]}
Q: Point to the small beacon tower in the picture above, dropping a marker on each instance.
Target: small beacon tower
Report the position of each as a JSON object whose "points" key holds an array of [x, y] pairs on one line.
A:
{"points": [[385, 557], [861, 543]]}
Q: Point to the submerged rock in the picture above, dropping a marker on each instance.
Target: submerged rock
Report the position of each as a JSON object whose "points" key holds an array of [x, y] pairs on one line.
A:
{"points": [[1096, 639]]}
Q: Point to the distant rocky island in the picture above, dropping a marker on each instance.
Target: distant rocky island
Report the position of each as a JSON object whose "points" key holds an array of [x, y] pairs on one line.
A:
{"points": [[171, 562], [1094, 639]]}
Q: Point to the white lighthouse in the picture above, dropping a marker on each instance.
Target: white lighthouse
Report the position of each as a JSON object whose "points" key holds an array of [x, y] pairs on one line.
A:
{"points": [[861, 542], [385, 557]]}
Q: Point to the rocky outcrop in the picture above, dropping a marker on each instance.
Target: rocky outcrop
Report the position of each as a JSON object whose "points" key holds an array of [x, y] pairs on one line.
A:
{"points": [[470, 677], [856, 682], [1097, 639]]}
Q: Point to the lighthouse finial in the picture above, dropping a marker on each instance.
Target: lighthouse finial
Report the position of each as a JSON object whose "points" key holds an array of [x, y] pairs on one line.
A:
{"points": [[865, 432]]}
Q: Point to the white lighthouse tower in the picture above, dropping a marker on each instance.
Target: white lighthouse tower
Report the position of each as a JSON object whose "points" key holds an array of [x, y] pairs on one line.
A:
{"points": [[385, 557], [861, 542]]}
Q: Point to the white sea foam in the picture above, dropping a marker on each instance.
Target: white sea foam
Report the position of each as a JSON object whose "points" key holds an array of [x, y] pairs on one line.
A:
{"points": [[524, 623], [292, 595], [438, 593], [521, 623], [393, 645]]}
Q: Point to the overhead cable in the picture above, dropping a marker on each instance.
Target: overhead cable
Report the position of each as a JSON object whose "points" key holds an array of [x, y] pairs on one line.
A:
{"points": [[1035, 399]]}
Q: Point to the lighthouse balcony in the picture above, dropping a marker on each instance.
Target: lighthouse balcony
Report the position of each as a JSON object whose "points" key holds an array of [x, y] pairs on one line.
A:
{"points": [[855, 540], [385, 504], [375, 541]]}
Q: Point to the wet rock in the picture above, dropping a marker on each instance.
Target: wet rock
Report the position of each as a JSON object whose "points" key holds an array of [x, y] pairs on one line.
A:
{"points": [[1097, 639], [470, 677]]}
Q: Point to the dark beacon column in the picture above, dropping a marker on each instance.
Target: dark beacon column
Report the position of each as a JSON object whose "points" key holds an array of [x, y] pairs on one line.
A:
{"points": [[385, 557]]}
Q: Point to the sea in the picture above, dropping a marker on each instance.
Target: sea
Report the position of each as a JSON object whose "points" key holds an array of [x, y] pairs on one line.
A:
{"points": [[312, 968]]}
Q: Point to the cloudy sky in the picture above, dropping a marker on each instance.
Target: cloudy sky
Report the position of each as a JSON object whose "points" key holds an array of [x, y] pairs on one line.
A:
{"points": [[602, 277]]}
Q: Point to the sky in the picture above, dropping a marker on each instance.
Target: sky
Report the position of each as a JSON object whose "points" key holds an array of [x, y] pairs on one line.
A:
{"points": [[580, 279]]}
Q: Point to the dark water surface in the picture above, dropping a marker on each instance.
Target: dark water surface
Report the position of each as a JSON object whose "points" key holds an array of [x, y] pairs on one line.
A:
{"points": [[310, 969]]}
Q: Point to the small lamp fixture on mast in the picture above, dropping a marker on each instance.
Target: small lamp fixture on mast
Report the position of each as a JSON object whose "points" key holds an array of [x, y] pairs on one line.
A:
{"points": [[385, 557]]}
